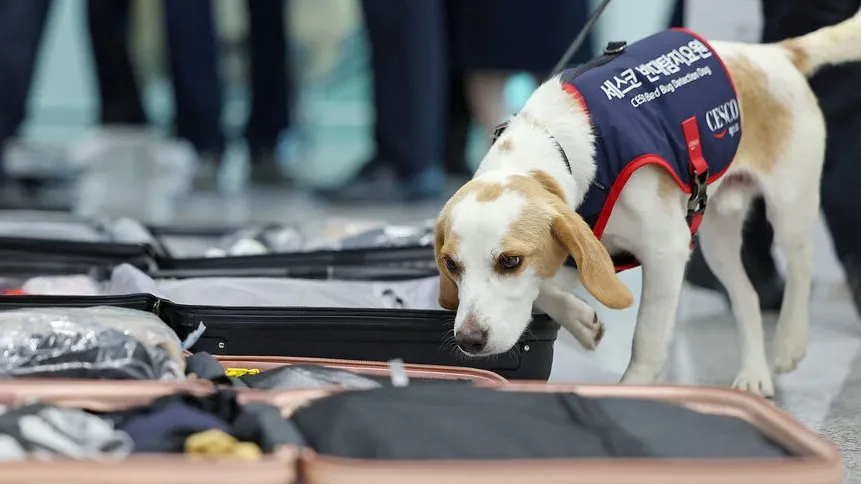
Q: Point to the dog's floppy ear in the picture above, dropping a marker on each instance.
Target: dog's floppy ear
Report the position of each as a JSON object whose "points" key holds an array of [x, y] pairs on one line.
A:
{"points": [[448, 298], [593, 262]]}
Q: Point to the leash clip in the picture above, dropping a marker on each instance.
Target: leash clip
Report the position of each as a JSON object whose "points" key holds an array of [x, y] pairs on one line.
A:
{"points": [[699, 196]]}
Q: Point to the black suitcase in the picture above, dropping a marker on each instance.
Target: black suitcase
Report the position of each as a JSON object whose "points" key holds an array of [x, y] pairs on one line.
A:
{"points": [[416, 336], [154, 254]]}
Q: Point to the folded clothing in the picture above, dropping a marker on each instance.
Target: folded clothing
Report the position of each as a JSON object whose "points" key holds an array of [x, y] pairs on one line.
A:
{"points": [[465, 422]]}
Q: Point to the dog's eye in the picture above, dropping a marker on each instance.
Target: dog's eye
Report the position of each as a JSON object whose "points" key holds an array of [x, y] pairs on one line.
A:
{"points": [[509, 262], [450, 264]]}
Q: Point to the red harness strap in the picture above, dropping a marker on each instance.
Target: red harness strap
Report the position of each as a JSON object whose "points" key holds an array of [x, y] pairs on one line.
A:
{"points": [[699, 175]]}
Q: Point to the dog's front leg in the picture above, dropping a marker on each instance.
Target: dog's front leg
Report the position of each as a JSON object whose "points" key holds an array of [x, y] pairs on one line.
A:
{"points": [[572, 313], [663, 266]]}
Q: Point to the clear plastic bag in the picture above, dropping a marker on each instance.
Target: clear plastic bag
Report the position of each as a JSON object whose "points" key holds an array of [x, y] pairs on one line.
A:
{"points": [[97, 342]]}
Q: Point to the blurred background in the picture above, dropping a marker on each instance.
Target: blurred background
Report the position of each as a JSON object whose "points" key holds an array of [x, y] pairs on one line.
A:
{"points": [[258, 110]]}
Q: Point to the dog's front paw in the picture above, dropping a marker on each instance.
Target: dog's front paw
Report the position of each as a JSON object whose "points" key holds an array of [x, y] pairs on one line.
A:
{"points": [[790, 347], [589, 334], [756, 380]]}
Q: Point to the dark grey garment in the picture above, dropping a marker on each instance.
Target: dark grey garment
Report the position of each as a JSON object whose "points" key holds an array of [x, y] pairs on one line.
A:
{"points": [[463, 422]]}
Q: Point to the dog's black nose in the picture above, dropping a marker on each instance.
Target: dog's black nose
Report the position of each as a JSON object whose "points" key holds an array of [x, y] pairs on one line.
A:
{"points": [[471, 340]]}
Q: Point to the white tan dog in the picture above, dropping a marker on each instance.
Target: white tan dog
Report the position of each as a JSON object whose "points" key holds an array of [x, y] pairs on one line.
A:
{"points": [[501, 240]]}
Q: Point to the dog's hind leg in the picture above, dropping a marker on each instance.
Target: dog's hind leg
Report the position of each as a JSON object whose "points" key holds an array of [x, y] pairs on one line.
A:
{"points": [[720, 237], [793, 229]]}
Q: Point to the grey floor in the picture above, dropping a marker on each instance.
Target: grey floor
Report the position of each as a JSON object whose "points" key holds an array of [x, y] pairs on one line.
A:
{"points": [[824, 392]]}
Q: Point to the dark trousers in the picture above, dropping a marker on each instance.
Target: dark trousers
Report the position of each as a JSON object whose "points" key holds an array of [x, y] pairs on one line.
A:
{"points": [[193, 63], [677, 16], [272, 83], [840, 100], [408, 59], [193, 59], [22, 24]]}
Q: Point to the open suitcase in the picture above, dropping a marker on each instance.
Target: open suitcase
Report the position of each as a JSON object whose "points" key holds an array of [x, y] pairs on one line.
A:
{"points": [[64, 239], [420, 336], [334, 331], [795, 454]]}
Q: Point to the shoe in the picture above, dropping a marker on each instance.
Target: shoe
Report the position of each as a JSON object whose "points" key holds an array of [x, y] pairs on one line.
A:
{"points": [[264, 170], [852, 268], [207, 173], [766, 280], [16, 194]]}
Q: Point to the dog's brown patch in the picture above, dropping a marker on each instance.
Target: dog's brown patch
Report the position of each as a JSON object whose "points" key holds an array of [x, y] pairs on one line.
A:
{"points": [[798, 54], [548, 182], [445, 244], [766, 120], [506, 145]]}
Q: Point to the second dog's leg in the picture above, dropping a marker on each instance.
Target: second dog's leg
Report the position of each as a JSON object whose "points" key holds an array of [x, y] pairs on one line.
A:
{"points": [[720, 239]]}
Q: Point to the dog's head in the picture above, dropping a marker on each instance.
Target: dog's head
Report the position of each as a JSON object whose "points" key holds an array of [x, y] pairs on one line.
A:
{"points": [[496, 241]]}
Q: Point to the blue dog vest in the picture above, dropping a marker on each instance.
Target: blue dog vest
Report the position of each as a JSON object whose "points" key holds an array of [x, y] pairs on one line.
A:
{"points": [[667, 100]]}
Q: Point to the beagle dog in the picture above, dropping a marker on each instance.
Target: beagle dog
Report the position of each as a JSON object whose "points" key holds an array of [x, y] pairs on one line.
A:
{"points": [[618, 163]]}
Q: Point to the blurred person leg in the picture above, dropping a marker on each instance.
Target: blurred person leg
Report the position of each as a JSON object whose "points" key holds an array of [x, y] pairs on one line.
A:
{"points": [[497, 38], [486, 91], [840, 100], [408, 58], [22, 26], [458, 124], [272, 87], [108, 25], [677, 16], [194, 65]]}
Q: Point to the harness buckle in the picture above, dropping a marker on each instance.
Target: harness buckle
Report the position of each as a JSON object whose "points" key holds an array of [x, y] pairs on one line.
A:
{"points": [[497, 132], [699, 197]]}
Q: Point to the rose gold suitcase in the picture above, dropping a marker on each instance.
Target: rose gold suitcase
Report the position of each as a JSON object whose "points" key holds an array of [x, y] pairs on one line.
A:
{"points": [[370, 368], [814, 460]]}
